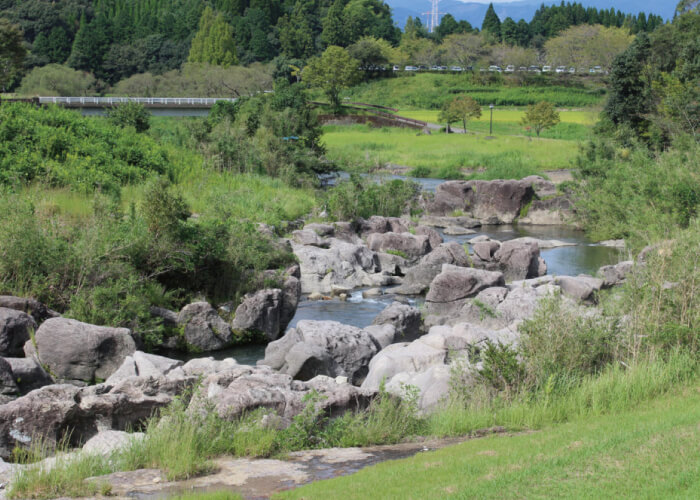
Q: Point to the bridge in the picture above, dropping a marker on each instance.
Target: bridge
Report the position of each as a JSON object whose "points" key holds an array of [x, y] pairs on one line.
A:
{"points": [[159, 106]]}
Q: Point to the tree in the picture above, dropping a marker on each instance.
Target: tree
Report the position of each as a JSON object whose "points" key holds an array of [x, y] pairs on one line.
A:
{"points": [[464, 49], [57, 80], [334, 25], [295, 34], [131, 114], [90, 45], [540, 116], [585, 46], [12, 52], [370, 52], [448, 114], [492, 24], [509, 31], [464, 109], [213, 42], [332, 72]]}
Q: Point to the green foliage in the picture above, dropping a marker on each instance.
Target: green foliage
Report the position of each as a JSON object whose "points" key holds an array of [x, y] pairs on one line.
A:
{"points": [[501, 369], [492, 24], [131, 114], [57, 80], [332, 72], [360, 197], [213, 43], [540, 116], [460, 109], [62, 148], [12, 53]]}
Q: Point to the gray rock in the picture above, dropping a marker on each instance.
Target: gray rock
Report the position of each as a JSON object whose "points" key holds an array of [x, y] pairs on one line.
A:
{"points": [[380, 224], [243, 389], [433, 236], [485, 250], [383, 335], [454, 284], [309, 237], [141, 364], [372, 292], [207, 366], [447, 253], [8, 386], [322, 348], [460, 221], [457, 231], [72, 350], [55, 412], [417, 279], [411, 245], [542, 187], [323, 230], [169, 317], [405, 319], [576, 288], [344, 264], [33, 307], [29, 374], [15, 330], [616, 274], [433, 385], [203, 327], [392, 264], [519, 260], [108, 441], [260, 312]]}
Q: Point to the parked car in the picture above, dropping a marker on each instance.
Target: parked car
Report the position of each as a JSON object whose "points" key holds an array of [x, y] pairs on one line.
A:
{"points": [[533, 69], [546, 69], [495, 69], [572, 70], [561, 69], [456, 68], [510, 68], [410, 68], [522, 68], [598, 69], [397, 68]]}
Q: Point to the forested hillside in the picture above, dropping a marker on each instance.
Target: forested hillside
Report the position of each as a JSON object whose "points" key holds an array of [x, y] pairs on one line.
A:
{"points": [[114, 39]]}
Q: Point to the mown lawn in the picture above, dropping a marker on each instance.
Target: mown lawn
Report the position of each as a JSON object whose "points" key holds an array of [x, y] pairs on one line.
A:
{"points": [[650, 452], [440, 155]]}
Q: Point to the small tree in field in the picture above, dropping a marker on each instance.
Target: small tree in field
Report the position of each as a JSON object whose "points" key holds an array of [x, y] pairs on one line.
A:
{"points": [[540, 116], [333, 71], [460, 109]]}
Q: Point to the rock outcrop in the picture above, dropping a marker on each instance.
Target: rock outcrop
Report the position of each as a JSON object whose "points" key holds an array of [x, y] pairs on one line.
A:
{"points": [[29, 374], [15, 329], [405, 319], [409, 245], [454, 284], [72, 350], [204, 329]]}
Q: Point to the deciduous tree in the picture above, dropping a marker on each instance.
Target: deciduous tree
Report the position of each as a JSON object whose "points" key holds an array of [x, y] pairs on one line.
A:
{"points": [[540, 116], [332, 72], [12, 52]]}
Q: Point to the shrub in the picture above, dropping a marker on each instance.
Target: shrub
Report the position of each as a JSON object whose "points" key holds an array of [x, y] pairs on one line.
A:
{"points": [[131, 114], [362, 197]]}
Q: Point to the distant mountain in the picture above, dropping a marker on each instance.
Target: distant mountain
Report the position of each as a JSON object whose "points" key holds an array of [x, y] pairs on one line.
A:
{"points": [[525, 9]]}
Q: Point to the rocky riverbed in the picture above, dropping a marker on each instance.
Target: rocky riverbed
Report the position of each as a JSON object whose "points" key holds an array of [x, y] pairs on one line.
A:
{"points": [[59, 376]]}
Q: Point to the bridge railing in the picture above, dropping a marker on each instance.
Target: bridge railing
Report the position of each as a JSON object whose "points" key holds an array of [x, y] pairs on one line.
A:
{"points": [[146, 101]]}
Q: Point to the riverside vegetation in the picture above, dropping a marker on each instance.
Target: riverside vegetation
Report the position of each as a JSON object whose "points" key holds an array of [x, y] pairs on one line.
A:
{"points": [[641, 346]]}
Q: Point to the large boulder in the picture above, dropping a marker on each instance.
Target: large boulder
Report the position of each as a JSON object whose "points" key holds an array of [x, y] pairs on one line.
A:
{"points": [[240, 390], [409, 245], [433, 236], [204, 329], [344, 264], [260, 312], [56, 412], [322, 348], [417, 279], [520, 260], [33, 307], [15, 330], [581, 288], [142, 364], [454, 284], [8, 386], [29, 374], [309, 237], [499, 201], [72, 350], [405, 319], [615, 274], [447, 253], [381, 224]]}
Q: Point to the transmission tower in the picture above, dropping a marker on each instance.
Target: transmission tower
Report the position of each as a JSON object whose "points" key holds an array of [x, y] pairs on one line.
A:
{"points": [[433, 16]]}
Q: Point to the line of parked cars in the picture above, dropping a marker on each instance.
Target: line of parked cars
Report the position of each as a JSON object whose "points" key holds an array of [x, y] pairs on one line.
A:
{"points": [[509, 69]]}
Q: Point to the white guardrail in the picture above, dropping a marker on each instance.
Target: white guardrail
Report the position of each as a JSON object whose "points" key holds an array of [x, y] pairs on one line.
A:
{"points": [[159, 101]]}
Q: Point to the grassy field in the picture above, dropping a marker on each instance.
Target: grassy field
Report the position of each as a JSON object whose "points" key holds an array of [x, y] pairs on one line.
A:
{"points": [[430, 90], [439, 155], [651, 452]]}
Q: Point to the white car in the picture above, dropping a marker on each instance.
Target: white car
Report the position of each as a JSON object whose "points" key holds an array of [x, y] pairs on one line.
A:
{"points": [[410, 68], [572, 70], [561, 69], [546, 69], [456, 68], [510, 68], [533, 69], [495, 69]]}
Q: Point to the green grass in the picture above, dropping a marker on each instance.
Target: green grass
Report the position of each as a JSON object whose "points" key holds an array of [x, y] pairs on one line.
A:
{"points": [[648, 452], [430, 91], [360, 147], [574, 125]]}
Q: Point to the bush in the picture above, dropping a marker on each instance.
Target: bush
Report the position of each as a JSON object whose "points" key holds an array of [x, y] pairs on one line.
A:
{"points": [[131, 114], [360, 197]]}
